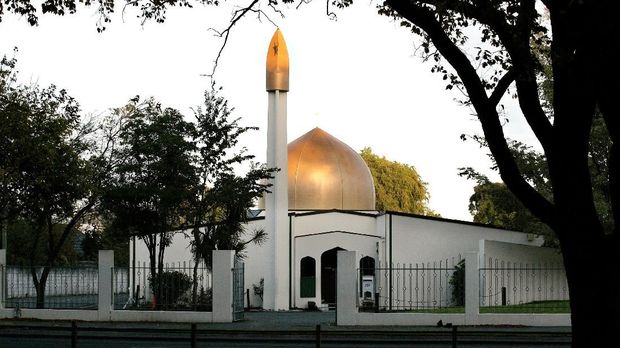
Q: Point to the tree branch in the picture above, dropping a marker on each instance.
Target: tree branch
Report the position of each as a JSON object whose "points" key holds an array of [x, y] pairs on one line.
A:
{"points": [[67, 230], [518, 48], [527, 86], [487, 114], [237, 15], [502, 86]]}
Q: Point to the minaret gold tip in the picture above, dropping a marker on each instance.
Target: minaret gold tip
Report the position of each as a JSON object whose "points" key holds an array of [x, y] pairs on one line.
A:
{"points": [[277, 63]]}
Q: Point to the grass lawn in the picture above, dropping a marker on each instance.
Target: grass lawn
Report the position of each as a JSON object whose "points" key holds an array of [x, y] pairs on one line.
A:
{"points": [[536, 307], [442, 310], [530, 307]]}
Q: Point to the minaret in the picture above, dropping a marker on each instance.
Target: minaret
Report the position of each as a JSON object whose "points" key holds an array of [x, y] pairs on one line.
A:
{"points": [[276, 291]]}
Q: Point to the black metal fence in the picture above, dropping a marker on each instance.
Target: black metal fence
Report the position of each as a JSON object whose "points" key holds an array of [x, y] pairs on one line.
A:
{"points": [[423, 287], [514, 287], [65, 287], [179, 287], [238, 292]]}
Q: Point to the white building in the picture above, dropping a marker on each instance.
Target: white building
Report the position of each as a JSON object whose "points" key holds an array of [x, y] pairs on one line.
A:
{"points": [[323, 200]]}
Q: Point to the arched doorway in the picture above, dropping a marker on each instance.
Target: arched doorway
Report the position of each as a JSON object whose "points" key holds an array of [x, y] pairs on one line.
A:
{"points": [[328, 276]]}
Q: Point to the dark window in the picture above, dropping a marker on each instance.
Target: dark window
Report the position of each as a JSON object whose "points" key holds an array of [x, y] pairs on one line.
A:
{"points": [[307, 272]]}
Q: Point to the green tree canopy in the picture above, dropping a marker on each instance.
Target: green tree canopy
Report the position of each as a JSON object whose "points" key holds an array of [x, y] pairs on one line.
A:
{"points": [[222, 199], [398, 186], [49, 168], [151, 189], [492, 203]]}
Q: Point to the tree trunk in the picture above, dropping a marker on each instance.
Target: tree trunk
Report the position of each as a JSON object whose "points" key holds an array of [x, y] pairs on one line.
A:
{"points": [[196, 234], [40, 283], [160, 271], [594, 297]]}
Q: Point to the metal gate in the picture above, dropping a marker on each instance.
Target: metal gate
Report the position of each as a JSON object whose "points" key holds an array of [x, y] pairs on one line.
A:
{"points": [[238, 290]]}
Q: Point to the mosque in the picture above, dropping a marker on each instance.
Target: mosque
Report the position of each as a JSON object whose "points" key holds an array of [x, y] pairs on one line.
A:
{"points": [[323, 200]]}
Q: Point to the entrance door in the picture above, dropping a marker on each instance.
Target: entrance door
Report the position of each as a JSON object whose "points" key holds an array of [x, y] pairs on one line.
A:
{"points": [[328, 276]]}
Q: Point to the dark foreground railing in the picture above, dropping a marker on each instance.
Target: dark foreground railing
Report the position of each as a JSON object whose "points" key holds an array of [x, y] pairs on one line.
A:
{"points": [[77, 334]]}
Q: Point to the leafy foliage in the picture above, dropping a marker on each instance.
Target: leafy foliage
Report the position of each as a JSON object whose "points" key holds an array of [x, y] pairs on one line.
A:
{"points": [[49, 169], [153, 184], [170, 285], [22, 233], [151, 189], [398, 186], [457, 283], [493, 203], [222, 198]]}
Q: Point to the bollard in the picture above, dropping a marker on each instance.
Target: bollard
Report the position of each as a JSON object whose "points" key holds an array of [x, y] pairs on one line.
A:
{"points": [[318, 336], [193, 336], [503, 295], [73, 334]]}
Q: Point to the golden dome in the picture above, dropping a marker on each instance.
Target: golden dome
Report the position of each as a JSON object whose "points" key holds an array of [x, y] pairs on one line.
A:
{"points": [[325, 173]]}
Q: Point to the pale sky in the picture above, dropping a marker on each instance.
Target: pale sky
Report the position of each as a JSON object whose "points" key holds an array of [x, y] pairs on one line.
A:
{"points": [[357, 78]]}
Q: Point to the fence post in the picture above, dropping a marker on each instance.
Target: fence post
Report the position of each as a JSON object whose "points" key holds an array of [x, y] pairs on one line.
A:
{"points": [[3, 271], [317, 336], [472, 288], [223, 263], [73, 334], [194, 341], [346, 288], [104, 303], [454, 336]]}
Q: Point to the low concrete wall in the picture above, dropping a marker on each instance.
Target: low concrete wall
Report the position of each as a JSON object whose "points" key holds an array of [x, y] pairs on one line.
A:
{"points": [[50, 314], [162, 316], [408, 319], [524, 319], [113, 315]]}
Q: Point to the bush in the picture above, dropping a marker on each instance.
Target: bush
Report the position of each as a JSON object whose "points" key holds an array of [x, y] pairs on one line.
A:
{"points": [[173, 285], [258, 289], [457, 281]]}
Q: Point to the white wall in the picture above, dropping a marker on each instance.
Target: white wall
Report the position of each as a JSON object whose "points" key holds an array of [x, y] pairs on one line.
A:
{"points": [[426, 240], [524, 254], [334, 221], [415, 240], [178, 252], [312, 235], [525, 273], [315, 245], [256, 261]]}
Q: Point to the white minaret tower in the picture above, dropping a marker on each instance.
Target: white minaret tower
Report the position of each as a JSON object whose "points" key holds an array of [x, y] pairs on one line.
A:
{"points": [[276, 291]]}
